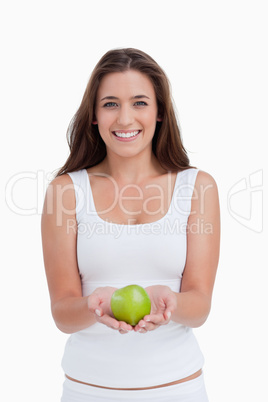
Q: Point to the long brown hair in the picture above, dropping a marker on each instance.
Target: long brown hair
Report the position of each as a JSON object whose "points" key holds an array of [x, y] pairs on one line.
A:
{"points": [[87, 148]]}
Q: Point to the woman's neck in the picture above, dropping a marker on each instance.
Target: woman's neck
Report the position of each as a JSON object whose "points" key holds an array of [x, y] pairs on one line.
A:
{"points": [[131, 169]]}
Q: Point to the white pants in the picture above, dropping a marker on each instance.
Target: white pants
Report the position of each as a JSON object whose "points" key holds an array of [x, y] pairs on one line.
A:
{"points": [[189, 391]]}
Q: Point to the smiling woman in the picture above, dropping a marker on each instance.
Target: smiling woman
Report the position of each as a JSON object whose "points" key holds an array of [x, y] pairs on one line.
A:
{"points": [[86, 145], [127, 208], [126, 119]]}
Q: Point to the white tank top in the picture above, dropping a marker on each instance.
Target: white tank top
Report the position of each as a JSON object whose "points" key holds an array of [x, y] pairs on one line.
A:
{"points": [[118, 255]]}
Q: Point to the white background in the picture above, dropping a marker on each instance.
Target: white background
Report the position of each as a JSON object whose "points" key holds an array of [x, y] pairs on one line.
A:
{"points": [[215, 55]]}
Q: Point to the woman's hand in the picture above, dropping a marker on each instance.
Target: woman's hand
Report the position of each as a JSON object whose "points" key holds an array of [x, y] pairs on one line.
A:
{"points": [[163, 304], [99, 303]]}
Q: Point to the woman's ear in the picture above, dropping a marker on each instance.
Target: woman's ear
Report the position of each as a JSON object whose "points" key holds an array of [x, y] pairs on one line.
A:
{"points": [[159, 118], [94, 120]]}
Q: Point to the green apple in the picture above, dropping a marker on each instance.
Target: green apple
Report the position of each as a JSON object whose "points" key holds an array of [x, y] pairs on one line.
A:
{"points": [[130, 304]]}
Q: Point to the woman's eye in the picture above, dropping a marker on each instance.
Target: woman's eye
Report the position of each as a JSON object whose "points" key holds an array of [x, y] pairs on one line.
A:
{"points": [[141, 103], [110, 104], [113, 104]]}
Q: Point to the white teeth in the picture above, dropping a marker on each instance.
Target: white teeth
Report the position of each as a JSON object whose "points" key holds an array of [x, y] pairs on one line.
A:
{"points": [[126, 135]]}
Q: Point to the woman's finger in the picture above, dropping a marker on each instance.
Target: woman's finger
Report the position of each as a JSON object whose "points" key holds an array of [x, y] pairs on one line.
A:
{"points": [[157, 319], [143, 327], [108, 321], [125, 326], [167, 315], [123, 331]]}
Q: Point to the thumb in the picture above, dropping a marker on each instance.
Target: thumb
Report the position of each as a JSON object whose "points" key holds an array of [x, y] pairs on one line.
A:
{"points": [[93, 303], [171, 304], [167, 315]]}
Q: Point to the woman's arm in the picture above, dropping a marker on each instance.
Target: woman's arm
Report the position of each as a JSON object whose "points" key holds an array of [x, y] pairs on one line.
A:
{"points": [[191, 306], [71, 311], [203, 246]]}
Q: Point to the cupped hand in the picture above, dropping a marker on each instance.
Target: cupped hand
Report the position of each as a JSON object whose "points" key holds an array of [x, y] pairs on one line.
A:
{"points": [[163, 304], [99, 303]]}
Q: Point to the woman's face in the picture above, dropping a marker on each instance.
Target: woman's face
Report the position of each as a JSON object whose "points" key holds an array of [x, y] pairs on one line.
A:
{"points": [[126, 112]]}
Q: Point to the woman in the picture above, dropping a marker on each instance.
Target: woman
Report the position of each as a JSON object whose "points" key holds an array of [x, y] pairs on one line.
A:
{"points": [[127, 208]]}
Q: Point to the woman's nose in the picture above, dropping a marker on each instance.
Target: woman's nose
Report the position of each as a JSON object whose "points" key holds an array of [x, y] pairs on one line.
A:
{"points": [[125, 116]]}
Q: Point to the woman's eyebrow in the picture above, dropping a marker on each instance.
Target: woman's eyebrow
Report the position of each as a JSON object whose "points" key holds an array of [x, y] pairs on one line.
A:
{"points": [[133, 97], [139, 97]]}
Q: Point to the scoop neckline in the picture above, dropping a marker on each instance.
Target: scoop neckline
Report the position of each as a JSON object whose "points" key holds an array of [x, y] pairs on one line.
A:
{"points": [[137, 224]]}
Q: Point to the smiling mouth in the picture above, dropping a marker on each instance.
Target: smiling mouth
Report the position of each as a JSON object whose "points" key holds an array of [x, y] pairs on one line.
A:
{"points": [[126, 134]]}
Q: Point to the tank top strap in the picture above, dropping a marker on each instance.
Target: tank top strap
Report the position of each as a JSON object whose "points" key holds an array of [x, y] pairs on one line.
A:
{"points": [[184, 191], [81, 187]]}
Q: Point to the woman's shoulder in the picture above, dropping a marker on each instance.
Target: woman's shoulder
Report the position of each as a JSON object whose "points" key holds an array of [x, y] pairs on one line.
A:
{"points": [[60, 184], [206, 188], [199, 181], [61, 180], [197, 176], [68, 178], [61, 188], [205, 179], [60, 198]]}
